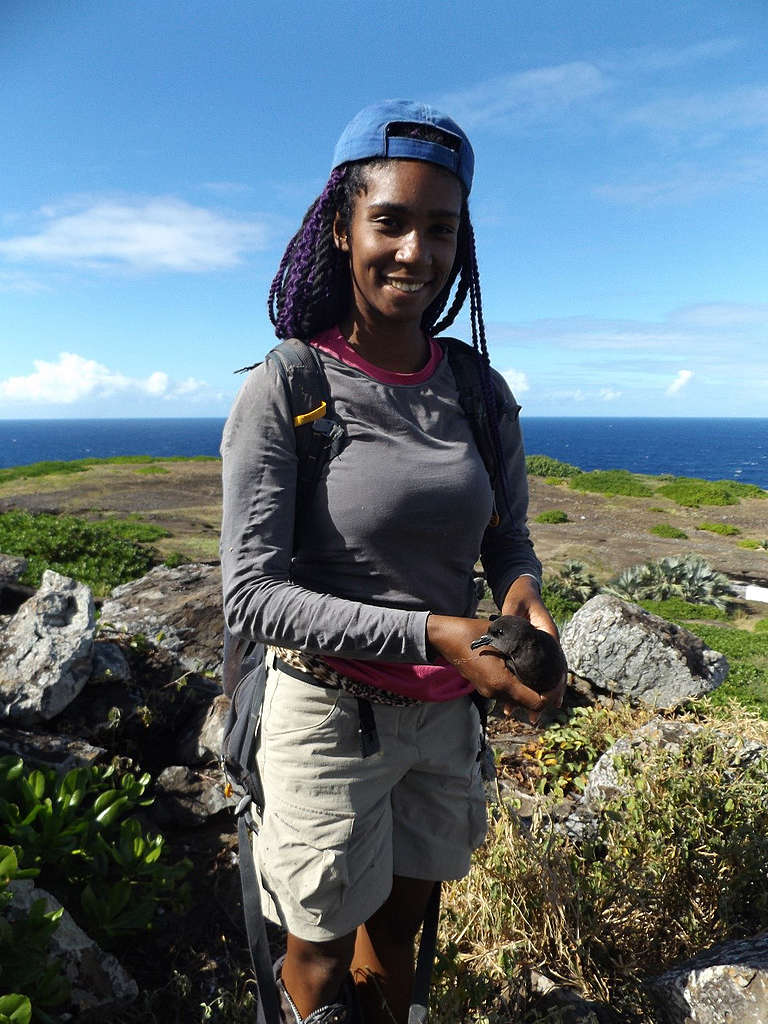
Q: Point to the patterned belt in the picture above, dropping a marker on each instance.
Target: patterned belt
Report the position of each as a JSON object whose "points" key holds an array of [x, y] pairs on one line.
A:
{"points": [[311, 665]]}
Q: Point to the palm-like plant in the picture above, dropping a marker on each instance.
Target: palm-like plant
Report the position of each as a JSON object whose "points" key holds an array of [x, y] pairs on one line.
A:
{"points": [[689, 578]]}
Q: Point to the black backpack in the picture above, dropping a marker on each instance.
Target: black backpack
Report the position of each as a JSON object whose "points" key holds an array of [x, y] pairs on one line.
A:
{"points": [[320, 437]]}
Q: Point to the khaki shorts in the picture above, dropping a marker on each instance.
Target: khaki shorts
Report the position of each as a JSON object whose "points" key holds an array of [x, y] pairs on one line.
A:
{"points": [[338, 826]]}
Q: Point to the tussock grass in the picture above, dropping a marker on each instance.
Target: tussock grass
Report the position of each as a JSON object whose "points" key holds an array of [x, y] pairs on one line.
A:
{"points": [[552, 515], [723, 529], [668, 531], [692, 492], [546, 466]]}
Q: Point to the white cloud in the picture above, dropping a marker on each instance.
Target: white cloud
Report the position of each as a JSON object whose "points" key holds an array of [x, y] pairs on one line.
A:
{"points": [[688, 182], [73, 378], [13, 281], [609, 394], [517, 380], [144, 234], [525, 96], [723, 314], [679, 382]]}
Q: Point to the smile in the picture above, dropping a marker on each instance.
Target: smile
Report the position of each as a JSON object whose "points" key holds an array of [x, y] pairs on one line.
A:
{"points": [[406, 286]]}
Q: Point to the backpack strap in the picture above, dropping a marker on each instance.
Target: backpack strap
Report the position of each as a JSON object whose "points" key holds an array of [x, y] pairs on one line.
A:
{"points": [[464, 362], [320, 435]]}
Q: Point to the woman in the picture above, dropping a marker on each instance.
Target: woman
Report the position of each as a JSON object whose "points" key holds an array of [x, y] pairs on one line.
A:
{"points": [[370, 590]]}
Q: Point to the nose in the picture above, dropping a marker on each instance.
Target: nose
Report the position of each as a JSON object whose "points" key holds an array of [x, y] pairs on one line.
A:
{"points": [[413, 248]]}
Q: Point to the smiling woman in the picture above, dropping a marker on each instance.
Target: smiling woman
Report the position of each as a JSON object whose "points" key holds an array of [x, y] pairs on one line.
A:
{"points": [[362, 587]]}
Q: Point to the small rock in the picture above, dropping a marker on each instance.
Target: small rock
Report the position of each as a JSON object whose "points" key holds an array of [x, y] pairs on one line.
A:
{"points": [[11, 568], [41, 749], [46, 650], [203, 740], [109, 663], [189, 797]]}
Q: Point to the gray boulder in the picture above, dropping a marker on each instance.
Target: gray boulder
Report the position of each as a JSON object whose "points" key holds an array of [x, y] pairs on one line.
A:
{"points": [[726, 983], [109, 663], [618, 649], [46, 650], [178, 610], [98, 981]]}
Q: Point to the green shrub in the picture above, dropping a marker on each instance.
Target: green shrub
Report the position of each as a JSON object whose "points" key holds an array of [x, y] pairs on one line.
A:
{"points": [[101, 554], [669, 531], [76, 831], [689, 578], [761, 626], [151, 470], [552, 515], [754, 545], [544, 465], [611, 481], [691, 492], [674, 609], [565, 592], [724, 529]]}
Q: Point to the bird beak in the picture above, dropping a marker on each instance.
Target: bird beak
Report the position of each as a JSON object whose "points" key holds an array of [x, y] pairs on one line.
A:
{"points": [[482, 641]]}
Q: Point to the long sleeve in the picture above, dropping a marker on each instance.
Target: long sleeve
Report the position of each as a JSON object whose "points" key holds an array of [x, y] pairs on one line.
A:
{"points": [[261, 600], [507, 551]]}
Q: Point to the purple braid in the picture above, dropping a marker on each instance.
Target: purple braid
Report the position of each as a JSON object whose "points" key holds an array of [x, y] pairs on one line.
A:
{"points": [[480, 345], [294, 285]]}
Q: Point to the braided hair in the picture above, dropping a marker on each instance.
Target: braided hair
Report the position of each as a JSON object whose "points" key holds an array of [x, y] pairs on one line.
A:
{"points": [[312, 289]]}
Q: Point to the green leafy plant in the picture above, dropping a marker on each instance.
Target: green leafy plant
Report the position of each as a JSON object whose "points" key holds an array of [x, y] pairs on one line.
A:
{"points": [[100, 554], [27, 972], [612, 481], [691, 492], [76, 832], [754, 545], [724, 529], [689, 578], [747, 654], [552, 515], [565, 592], [761, 626], [545, 465], [568, 750], [669, 531]]}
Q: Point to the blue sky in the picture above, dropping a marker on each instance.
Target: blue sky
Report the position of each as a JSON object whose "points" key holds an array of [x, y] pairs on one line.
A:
{"points": [[156, 157]]}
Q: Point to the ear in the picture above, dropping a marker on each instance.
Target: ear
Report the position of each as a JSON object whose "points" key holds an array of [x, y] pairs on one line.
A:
{"points": [[340, 235]]}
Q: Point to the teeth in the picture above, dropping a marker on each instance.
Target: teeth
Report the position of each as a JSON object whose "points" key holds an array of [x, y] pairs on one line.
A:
{"points": [[405, 286]]}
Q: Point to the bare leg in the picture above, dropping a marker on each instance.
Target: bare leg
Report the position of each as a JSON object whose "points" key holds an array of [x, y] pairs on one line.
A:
{"points": [[313, 972], [383, 963]]}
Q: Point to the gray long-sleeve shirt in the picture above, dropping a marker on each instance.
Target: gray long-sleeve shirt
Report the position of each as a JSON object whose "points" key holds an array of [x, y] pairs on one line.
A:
{"points": [[395, 527]]}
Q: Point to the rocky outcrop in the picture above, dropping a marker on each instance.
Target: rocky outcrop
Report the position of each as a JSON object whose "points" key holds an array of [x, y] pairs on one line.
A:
{"points": [[178, 610], [618, 649], [203, 741], [42, 749], [46, 650], [98, 981], [727, 983]]}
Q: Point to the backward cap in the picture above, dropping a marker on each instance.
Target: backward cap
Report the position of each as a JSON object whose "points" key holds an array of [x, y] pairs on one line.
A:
{"points": [[366, 137]]}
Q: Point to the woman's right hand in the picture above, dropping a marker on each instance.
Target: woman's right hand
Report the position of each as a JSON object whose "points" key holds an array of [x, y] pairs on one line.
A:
{"points": [[451, 637]]}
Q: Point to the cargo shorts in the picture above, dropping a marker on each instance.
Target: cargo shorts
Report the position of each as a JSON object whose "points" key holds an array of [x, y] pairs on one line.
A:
{"points": [[338, 826]]}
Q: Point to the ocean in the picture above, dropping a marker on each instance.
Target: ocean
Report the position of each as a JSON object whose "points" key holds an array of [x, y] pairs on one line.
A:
{"points": [[714, 449]]}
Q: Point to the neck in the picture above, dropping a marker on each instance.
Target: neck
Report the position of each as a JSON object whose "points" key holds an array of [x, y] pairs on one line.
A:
{"points": [[398, 348]]}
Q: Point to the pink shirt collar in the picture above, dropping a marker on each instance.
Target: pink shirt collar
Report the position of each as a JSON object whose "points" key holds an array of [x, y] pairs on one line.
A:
{"points": [[335, 344]]}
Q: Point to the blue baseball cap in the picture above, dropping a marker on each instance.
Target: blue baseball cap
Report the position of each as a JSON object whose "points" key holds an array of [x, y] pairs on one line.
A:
{"points": [[373, 133]]}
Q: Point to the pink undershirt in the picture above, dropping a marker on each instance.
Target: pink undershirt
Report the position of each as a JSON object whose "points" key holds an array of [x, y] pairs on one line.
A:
{"points": [[437, 682]]}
